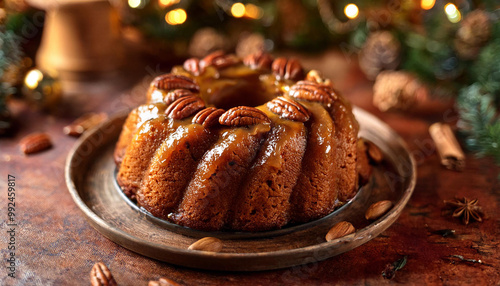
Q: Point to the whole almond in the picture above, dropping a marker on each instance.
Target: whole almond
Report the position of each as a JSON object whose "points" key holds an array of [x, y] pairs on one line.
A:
{"points": [[163, 282], [101, 276], [377, 209], [208, 243], [374, 152], [341, 229], [84, 123], [35, 142]]}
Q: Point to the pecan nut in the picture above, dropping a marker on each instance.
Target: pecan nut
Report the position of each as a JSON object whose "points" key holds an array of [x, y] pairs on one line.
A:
{"points": [[313, 91], [285, 68], [192, 65], [175, 94], [289, 109], [219, 60], [259, 60], [184, 107], [163, 282], [243, 116], [377, 209], [35, 142], [101, 276], [207, 244], [174, 81], [341, 229], [83, 123], [208, 117]]}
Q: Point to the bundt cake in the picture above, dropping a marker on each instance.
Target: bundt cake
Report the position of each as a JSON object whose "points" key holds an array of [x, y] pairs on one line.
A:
{"points": [[252, 145]]}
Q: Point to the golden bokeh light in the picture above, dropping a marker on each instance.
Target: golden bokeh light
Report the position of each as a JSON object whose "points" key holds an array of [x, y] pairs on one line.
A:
{"points": [[176, 17], [427, 4], [351, 11], [238, 10], [167, 3], [253, 11], [33, 78], [452, 13], [135, 3]]}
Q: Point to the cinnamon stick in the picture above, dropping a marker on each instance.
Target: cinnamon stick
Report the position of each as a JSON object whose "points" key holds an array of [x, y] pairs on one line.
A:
{"points": [[450, 153]]}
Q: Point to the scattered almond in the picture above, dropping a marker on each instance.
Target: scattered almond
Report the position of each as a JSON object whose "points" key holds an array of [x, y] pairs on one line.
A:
{"points": [[101, 276], [374, 152], [84, 123], [35, 142], [163, 282], [341, 229], [377, 209], [211, 244]]}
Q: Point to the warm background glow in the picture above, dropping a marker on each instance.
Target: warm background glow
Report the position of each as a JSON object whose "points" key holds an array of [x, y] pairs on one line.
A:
{"points": [[351, 11], [427, 4], [238, 10], [176, 17]]}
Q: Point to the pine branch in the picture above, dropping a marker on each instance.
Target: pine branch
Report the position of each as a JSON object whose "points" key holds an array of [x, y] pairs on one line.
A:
{"points": [[479, 121]]}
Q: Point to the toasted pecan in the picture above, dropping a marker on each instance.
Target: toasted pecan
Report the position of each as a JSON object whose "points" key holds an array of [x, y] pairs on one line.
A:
{"points": [[219, 60], [175, 94], [289, 109], [259, 60], [208, 117], [285, 68], [192, 65], [184, 107], [313, 91], [173, 81], [243, 116]]}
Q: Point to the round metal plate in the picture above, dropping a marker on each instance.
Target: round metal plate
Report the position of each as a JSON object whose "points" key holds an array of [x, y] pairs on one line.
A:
{"points": [[90, 176]]}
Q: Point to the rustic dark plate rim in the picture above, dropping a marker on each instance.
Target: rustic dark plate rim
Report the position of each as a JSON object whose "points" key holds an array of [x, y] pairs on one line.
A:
{"points": [[136, 244]]}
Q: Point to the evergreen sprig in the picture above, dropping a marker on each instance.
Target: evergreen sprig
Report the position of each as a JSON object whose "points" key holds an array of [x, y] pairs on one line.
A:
{"points": [[10, 55], [479, 121]]}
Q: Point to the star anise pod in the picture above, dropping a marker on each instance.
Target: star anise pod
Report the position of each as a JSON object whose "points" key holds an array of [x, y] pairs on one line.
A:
{"points": [[465, 208]]}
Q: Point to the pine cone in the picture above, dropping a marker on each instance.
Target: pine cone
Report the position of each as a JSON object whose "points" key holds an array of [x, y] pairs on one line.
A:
{"points": [[474, 32], [397, 90], [205, 41], [250, 44], [380, 52]]}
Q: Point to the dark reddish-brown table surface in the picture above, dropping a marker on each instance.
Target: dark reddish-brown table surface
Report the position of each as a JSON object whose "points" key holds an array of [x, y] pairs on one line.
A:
{"points": [[56, 246]]}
